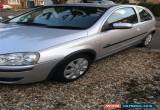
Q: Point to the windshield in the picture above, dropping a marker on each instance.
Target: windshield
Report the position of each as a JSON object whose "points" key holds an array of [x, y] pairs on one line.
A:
{"points": [[68, 17]]}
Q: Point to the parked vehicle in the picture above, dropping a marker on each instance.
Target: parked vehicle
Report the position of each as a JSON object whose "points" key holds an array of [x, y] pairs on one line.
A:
{"points": [[7, 7], [61, 41], [2, 6]]}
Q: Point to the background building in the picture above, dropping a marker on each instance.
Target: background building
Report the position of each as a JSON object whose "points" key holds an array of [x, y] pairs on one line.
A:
{"points": [[21, 3], [29, 3]]}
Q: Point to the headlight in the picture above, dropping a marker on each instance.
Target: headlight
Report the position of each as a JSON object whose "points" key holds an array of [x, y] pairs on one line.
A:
{"points": [[19, 59]]}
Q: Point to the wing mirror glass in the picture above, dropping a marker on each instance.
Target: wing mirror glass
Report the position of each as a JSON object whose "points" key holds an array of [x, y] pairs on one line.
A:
{"points": [[116, 26], [122, 25]]}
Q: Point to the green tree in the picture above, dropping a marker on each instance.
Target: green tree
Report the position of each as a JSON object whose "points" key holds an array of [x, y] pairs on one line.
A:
{"points": [[121, 1], [142, 1], [59, 1]]}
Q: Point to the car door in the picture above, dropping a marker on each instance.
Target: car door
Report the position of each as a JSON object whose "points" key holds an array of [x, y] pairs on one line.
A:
{"points": [[113, 40]]}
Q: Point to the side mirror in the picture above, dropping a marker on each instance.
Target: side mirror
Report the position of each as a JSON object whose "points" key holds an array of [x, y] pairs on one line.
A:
{"points": [[117, 26], [105, 27], [122, 25], [10, 17]]}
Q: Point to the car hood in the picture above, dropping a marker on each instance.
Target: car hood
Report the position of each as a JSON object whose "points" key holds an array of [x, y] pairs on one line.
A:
{"points": [[18, 38]]}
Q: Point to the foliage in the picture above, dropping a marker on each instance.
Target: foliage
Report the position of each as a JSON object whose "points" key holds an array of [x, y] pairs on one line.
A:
{"points": [[155, 8], [121, 1], [59, 1]]}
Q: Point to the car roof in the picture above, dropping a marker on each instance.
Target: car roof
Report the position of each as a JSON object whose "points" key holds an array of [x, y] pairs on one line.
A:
{"points": [[86, 5]]}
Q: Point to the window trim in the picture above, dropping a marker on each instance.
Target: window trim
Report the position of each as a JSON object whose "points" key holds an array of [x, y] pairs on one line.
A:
{"points": [[134, 9], [148, 11], [123, 8]]}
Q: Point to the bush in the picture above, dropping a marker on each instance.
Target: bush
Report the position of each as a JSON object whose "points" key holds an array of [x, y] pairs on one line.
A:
{"points": [[155, 8]]}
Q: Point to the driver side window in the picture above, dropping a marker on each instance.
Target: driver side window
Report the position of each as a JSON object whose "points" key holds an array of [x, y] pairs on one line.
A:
{"points": [[123, 15]]}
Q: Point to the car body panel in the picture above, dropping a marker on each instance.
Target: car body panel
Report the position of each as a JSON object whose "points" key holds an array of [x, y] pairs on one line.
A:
{"points": [[38, 72], [30, 38]]}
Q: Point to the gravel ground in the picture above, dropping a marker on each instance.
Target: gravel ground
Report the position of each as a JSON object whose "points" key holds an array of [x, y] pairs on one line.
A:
{"points": [[131, 76]]}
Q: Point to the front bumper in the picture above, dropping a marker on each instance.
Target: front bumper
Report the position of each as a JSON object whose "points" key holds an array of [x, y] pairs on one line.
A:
{"points": [[25, 74]]}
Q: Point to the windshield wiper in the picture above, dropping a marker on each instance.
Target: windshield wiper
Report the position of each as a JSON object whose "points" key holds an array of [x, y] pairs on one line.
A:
{"points": [[64, 27], [30, 24], [49, 26]]}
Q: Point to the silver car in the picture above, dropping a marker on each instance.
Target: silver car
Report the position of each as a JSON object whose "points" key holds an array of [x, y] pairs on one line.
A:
{"points": [[60, 42]]}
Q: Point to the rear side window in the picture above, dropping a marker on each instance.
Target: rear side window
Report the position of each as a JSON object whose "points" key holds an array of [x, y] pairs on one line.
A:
{"points": [[123, 15], [144, 15]]}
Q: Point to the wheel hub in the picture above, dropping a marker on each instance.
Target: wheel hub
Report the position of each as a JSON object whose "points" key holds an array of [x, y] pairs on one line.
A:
{"points": [[148, 40], [76, 68]]}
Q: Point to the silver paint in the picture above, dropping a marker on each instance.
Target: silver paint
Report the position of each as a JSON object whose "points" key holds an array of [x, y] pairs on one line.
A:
{"points": [[55, 44]]}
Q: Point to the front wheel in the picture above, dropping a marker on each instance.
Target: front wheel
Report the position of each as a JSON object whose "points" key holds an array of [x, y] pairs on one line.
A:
{"points": [[72, 68]]}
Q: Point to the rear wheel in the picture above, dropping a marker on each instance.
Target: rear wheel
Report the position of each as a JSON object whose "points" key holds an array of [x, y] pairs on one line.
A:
{"points": [[72, 68], [148, 40]]}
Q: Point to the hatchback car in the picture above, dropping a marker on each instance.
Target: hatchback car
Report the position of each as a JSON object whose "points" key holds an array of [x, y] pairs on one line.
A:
{"points": [[61, 41]]}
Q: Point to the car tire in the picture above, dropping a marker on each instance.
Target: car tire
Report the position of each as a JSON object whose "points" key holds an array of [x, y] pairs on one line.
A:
{"points": [[72, 68], [147, 41]]}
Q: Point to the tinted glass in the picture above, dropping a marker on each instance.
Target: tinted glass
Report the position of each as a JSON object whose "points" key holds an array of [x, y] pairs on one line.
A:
{"points": [[144, 15], [124, 15], [70, 17]]}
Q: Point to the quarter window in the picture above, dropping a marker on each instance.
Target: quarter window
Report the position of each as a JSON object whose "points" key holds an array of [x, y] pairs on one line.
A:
{"points": [[124, 15], [144, 15]]}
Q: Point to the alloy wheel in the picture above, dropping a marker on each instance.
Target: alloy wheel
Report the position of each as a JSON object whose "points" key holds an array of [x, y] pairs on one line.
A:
{"points": [[148, 40], [76, 68]]}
